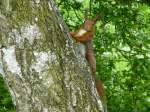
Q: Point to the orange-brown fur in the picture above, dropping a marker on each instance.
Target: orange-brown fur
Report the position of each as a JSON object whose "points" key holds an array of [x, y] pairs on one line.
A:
{"points": [[86, 39]]}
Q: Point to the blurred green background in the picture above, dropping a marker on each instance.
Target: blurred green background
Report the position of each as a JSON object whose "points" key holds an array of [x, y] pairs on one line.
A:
{"points": [[122, 49], [5, 99]]}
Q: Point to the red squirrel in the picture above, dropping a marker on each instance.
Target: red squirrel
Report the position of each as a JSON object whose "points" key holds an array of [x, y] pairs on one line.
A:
{"points": [[85, 35]]}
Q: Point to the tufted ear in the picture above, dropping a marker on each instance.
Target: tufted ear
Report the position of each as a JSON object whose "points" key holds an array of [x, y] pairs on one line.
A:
{"points": [[96, 19]]}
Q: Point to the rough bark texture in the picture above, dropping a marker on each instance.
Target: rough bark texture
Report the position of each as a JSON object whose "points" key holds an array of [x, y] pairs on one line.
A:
{"points": [[39, 63]]}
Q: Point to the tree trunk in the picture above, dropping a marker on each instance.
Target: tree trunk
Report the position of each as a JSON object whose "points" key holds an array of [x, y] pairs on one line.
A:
{"points": [[39, 62]]}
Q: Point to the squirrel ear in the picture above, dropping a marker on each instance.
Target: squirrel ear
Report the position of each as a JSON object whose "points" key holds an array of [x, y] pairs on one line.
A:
{"points": [[96, 18]]}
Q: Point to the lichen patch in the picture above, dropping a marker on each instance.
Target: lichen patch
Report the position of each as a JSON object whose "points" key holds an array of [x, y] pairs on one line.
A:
{"points": [[29, 32], [9, 58], [40, 64]]}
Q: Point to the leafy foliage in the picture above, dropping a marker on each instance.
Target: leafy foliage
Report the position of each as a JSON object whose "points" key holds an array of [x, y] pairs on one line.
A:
{"points": [[122, 43], [5, 99]]}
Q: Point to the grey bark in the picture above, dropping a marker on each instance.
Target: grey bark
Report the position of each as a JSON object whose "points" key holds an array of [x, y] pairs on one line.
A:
{"points": [[39, 62]]}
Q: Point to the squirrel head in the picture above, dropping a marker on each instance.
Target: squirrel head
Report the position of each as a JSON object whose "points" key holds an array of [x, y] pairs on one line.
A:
{"points": [[89, 24]]}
